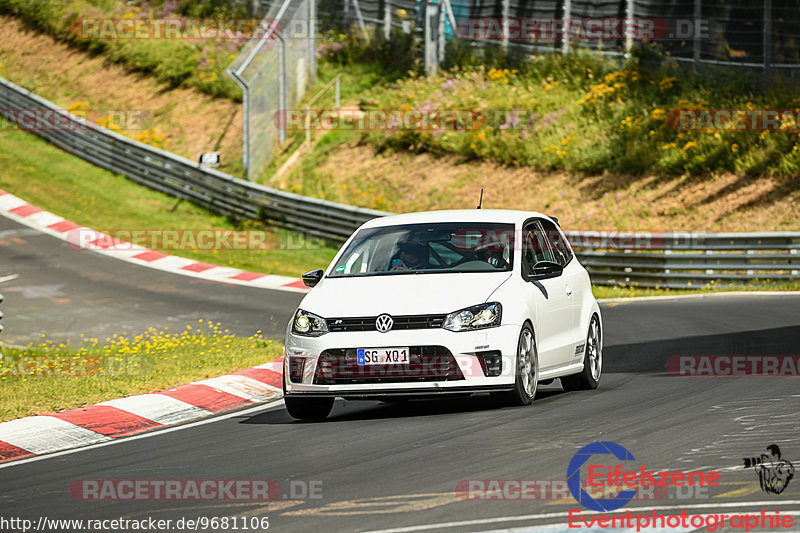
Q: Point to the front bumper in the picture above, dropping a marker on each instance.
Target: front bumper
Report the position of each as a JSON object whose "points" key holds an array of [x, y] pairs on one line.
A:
{"points": [[446, 362]]}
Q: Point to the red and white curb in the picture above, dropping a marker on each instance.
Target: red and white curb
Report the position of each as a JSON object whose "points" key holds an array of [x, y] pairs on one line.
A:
{"points": [[37, 435], [21, 211]]}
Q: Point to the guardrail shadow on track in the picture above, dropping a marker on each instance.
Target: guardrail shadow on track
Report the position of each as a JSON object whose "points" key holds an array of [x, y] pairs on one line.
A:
{"points": [[651, 357]]}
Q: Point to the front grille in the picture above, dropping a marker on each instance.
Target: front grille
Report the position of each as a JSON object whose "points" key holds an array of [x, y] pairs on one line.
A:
{"points": [[426, 363], [400, 322]]}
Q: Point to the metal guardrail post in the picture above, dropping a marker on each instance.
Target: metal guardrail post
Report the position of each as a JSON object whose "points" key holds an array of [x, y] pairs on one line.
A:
{"points": [[566, 15]]}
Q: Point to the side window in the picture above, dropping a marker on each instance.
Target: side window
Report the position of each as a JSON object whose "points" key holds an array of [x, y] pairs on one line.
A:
{"points": [[563, 253], [534, 246]]}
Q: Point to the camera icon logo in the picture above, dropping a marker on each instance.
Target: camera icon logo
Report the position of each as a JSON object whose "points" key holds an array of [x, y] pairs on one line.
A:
{"points": [[774, 472]]}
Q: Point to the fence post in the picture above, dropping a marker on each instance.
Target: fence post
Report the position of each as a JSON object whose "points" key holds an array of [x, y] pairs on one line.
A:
{"points": [[767, 44], [566, 15], [506, 11], [387, 19], [629, 25], [696, 43], [337, 95], [282, 89], [431, 39], [440, 42], [360, 20], [312, 39], [241, 82]]}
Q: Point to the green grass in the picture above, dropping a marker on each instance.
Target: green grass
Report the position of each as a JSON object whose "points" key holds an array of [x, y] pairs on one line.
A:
{"points": [[48, 377], [76, 190], [603, 291]]}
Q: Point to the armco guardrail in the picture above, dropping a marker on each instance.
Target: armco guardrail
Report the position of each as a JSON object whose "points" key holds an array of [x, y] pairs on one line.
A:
{"points": [[687, 260], [675, 260], [177, 176]]}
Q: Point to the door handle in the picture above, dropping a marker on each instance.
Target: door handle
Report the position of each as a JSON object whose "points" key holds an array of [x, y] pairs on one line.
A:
{"points": [[568, 290]]}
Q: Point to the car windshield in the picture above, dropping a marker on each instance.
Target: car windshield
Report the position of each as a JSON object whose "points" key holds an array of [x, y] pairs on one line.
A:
{"points": [[428, 249]]}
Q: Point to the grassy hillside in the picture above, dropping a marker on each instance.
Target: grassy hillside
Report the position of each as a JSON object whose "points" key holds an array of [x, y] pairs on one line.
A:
{"points": [[197, 63], [56, 181]]}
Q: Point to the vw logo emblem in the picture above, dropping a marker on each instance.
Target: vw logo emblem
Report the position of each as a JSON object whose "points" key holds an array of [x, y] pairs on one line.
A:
{"points": [[384, 323]]}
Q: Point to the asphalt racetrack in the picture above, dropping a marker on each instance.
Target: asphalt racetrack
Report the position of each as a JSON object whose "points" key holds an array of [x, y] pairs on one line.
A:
{"points": [[375, 466]]}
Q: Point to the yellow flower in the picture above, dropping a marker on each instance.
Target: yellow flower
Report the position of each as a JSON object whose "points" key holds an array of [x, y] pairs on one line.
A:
{"points": [[658, 114], [667, 83], [688, 146], [668, 146]]}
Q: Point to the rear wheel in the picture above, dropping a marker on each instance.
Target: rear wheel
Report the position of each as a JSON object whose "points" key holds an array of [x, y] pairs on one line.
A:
{"points": [[308, 408], [527, 371], [592, 361]]}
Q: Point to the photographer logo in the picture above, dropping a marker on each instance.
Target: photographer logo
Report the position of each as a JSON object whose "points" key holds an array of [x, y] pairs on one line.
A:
{"points": [[774, 472]]}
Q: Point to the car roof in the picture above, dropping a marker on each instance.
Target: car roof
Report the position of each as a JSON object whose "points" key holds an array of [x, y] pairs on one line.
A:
{"points": [[507, 216]]}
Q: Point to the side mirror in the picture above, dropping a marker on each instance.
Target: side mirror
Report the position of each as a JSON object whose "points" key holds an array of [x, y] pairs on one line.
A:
{"points": [[312, 277], [545, 270]]}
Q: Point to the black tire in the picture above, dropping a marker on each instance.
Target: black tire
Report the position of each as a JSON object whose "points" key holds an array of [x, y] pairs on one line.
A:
{"points": [[592, 361], [309, 408], [526, 371]]}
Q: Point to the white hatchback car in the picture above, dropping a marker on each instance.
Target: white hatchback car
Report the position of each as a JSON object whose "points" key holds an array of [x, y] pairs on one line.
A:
{"points": [[444, 302]]}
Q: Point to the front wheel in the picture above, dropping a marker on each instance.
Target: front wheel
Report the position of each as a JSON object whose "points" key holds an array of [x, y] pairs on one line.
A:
{"points": [[308, 408], [527, 370], [592, 361]]}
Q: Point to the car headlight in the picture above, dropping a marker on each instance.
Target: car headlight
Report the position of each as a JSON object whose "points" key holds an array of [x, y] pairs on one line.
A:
{"points": [[308, 324], [476, 317]]}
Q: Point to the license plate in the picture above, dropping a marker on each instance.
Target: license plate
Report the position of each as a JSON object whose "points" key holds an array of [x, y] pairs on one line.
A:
{"points": [[382, 356]]}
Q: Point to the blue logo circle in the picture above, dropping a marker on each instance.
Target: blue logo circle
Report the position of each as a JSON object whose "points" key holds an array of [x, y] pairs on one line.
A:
{"points": [[574, 477]]}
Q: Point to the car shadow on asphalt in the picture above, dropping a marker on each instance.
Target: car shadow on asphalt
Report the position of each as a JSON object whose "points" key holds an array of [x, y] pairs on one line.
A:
{"points": [[373, 410]]}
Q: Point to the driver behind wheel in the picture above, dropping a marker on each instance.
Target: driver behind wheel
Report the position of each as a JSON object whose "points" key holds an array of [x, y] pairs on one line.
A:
{"points": [[493, 253], [412, 256]]}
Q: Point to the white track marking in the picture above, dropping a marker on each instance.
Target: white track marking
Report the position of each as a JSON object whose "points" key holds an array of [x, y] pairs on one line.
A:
{"points": [[172, 264], [242, 386], [275, 366], [158, 408], [155, 433], [46, 434]]}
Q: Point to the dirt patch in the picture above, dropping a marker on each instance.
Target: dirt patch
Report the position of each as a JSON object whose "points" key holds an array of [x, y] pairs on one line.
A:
{"points": [[190, 121], [416, 182]]}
